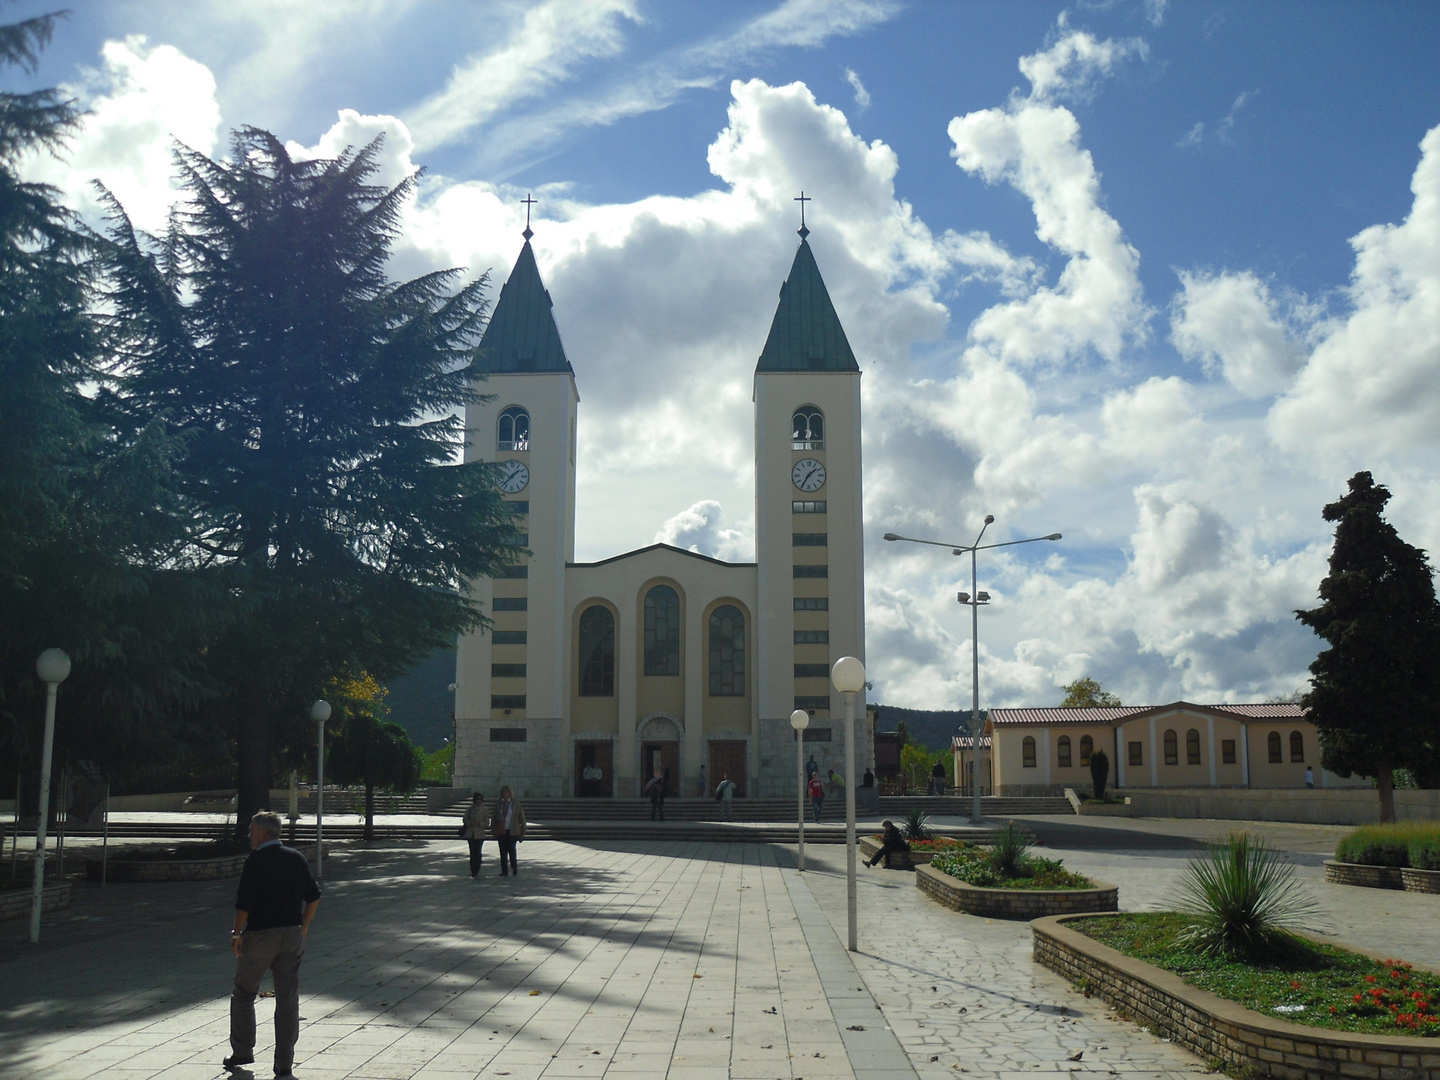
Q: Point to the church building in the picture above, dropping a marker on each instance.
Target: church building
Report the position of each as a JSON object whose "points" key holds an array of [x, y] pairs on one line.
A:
{"points": [[596, 676]]}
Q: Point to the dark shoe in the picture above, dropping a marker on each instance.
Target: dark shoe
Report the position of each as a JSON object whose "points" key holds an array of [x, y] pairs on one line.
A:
{"points": [[286, 1075], [236, 1061]]}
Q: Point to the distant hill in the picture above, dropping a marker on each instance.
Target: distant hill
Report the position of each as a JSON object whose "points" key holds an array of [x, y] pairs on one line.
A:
{"points": [[933, 728], [420, 700]]}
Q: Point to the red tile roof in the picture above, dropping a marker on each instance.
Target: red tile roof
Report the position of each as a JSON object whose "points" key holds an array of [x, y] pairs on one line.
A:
{"points": [[1105, 714]]}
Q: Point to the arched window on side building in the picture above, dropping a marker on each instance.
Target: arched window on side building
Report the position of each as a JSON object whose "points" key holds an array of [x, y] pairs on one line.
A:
{"points": [[1172, 748], [1192, 747], [1062, 752], [1027, 752]]}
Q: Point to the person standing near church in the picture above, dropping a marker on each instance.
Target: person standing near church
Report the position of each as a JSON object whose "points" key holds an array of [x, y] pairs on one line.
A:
{"points": [[508, 825], [274, 904], [655, 789], [477, 823], [817, 795], [725, 792]]}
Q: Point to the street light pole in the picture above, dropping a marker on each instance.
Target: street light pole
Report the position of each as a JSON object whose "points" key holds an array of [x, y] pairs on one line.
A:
{"points": [[320, 712], [848, 675], [53, 667], [974, 598], [800, 720]]}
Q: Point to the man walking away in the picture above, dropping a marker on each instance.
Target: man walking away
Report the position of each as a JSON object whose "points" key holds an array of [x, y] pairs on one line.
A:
{"points": [[725, 792], [274, 904]]}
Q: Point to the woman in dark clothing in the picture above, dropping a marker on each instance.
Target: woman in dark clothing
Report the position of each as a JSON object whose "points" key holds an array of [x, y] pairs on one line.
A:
{"points": [[892, 841]]}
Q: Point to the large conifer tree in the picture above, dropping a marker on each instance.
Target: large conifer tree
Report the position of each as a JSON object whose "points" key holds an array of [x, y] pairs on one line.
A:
{"points": [[317, 401], [86, 519], [1375, 692]]}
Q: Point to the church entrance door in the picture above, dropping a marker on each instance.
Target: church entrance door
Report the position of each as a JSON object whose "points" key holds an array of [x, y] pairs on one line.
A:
{"points": [[661, 756], [727, 757], [594, 770]]}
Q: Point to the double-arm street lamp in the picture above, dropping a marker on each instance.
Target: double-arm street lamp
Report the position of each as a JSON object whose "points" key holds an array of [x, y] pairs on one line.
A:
{"points": [[974, 599]]}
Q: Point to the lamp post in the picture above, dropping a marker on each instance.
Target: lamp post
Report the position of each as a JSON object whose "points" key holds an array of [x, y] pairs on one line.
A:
{"points": [[800, 720], [974, 599], [53, 667], [320, 712], [848, 675]]}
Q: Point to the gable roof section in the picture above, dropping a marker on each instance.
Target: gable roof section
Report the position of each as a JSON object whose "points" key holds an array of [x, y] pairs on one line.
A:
{"points": [[522, 335], [660, 547], [1103, 714], [806, 334]]}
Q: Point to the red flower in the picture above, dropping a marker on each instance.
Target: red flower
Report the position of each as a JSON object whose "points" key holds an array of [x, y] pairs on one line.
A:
{"points": [[1369, 978]]}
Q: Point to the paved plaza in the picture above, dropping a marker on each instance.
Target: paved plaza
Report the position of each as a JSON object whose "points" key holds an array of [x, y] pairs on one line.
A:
{"points": [[646, 959]]}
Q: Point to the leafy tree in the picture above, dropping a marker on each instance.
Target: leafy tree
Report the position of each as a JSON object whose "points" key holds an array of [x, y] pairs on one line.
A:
{"points": [[439, 767], [918, 760], [86, 517], [902, 734], [1099, 773], [1086, 693], [318, 401], [371, 750], [1375, 692]]}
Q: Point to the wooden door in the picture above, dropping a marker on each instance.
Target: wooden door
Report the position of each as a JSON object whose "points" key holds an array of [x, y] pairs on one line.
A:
{"points": [[727, 758], [594, 771]]}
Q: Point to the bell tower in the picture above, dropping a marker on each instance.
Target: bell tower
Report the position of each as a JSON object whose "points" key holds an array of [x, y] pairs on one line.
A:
{"points": [[509, 706], [808, 500]]}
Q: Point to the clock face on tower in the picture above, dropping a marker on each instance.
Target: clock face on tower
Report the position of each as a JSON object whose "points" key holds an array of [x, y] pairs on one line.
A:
{"points": [[808, 474], [513, 477]]}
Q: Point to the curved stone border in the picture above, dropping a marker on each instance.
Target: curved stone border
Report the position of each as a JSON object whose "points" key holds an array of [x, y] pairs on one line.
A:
{"points": [[1217, 1029], [173, 869], [1014, 903], [1427, 881], [1370, 877], [15, 903]]}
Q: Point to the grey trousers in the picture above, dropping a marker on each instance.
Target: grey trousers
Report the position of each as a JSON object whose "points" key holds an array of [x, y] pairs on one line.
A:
{"points": [[278, 951]]}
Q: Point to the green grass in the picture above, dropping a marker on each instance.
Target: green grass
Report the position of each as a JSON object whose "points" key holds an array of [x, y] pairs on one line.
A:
{"points": [[1334, 988], [1404, 843]]}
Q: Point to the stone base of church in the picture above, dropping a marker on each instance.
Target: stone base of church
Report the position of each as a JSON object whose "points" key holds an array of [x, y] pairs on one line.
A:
{"points": [[487, 755]]}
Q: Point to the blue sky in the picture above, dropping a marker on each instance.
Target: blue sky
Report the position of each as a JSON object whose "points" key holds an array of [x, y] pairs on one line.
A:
{"points": [[1160, 276]]}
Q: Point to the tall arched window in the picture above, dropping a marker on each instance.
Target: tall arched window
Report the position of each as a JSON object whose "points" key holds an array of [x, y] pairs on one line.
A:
{"points": [[662, 631], [1087, 747], [727, 652], [1297, 746], [1272, 742], [1172, 748], [807, 429], [514, 432], [1192, 747], [1062, 752], [1027, 752], [597, 652]]}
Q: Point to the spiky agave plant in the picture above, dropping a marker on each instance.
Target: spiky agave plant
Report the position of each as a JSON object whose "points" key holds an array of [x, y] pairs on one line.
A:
{"points": [[1246, 903], [916, 825], [1011, 846]]}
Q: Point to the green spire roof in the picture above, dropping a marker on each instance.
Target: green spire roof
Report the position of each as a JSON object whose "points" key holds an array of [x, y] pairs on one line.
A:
{"points": [[522, 335], [806, 334]]}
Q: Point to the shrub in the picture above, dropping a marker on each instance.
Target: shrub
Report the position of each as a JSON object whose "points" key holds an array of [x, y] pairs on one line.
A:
{"points": [[1397, 844], [915, 827], [1425, 854], [1245, 902], [1099, 773], [1008, 854]]}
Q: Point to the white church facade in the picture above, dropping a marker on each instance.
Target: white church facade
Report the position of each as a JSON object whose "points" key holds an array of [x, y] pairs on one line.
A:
{"points": [[594, 676]]}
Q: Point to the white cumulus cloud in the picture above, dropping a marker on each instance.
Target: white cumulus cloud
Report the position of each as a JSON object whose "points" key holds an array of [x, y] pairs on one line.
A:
{"points": [[1229, 324]]}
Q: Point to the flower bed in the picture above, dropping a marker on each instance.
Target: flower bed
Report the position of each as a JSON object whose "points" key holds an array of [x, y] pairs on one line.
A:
{"points": [[921, 851], [1221, 1030], [976, 866], [1014, 903], [166, 865]]}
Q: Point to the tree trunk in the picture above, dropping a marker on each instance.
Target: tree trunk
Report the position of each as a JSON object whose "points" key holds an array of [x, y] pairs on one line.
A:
{"points": [[1385, 785], [252, 748], [369, 812]]}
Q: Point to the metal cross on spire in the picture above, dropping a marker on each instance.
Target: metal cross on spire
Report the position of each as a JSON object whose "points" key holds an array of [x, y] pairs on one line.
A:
{"points": [[529, 202], [802, 200]]}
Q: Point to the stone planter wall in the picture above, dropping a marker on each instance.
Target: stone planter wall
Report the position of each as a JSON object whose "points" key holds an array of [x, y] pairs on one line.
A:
{"points": [[1095, 809], [1420, 880], [1217, 1029], [15, 903], [123, 869], [1371, 877], [1014, 903]]}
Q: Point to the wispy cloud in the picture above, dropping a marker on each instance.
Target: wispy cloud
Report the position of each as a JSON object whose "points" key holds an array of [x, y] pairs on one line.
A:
{"points": [[1196, 135], [862, 96], [485, 92]]}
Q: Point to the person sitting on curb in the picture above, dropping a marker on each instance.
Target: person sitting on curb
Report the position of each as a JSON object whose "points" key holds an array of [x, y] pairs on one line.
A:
{"points": [[890, 842]]}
